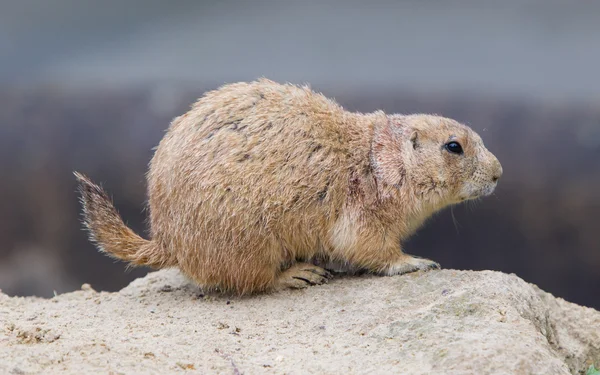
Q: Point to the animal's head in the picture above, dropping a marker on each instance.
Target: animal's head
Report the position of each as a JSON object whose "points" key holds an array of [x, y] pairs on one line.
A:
{"points": [[442, 161]]}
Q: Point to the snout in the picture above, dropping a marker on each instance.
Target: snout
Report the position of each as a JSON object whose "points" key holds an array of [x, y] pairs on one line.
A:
{"points": [[485, 179], [496, 170], [495, 174]]}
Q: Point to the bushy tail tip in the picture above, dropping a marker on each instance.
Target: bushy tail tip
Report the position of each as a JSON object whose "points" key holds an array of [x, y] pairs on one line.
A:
{"points": [[108, 231]]}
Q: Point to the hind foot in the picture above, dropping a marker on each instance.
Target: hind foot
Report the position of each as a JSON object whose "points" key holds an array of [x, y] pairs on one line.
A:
{"points": [[301, 275]]}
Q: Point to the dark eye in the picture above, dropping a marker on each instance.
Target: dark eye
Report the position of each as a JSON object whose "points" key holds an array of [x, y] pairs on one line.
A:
{"points": [[454, 147]]}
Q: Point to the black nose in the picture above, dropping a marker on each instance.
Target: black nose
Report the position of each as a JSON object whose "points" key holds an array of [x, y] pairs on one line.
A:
{"points": [[497, 172]]}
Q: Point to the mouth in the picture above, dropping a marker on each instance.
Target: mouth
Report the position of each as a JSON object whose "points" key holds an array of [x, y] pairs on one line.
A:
{"points": [[469, 198], [485, 192], [489, 190]]}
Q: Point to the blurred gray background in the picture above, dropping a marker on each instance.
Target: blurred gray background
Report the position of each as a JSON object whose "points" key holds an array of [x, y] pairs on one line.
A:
{"points": [[91, 86]]}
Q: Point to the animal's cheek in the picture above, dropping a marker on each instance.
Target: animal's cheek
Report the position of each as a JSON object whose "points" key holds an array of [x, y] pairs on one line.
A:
{"points": [[473, 182], [461, 175], [467, 190]]}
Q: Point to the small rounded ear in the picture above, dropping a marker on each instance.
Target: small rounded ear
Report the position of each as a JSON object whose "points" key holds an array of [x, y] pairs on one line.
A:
{"points": [[414, 139], [400, 125]]}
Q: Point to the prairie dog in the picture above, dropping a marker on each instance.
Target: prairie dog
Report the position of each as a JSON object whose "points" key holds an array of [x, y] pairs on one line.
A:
{"points": [[259, 179]]}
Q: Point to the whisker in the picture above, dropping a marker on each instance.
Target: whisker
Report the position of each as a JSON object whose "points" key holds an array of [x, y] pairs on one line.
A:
{"points": [[454, 220], [472, 204]]}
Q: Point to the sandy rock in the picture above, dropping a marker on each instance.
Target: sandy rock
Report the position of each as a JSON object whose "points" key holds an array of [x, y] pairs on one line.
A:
{"points": [[439, 322]]}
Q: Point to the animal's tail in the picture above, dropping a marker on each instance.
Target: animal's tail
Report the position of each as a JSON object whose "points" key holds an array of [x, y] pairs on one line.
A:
{"points": [[110, 234]]}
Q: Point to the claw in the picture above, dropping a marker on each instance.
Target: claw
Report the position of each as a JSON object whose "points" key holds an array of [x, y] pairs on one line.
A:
{"points": [[305, 280], [302, 275]]}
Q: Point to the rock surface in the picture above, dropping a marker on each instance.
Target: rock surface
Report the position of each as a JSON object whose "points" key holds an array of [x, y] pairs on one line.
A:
{"points": [[439, 322]]}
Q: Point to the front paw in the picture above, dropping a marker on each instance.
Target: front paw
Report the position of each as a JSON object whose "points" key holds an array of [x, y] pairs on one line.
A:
{"points": [[410, 264]]}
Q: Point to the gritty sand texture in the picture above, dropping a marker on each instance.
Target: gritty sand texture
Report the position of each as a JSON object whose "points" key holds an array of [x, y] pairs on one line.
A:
{"points": [[438, 322]]}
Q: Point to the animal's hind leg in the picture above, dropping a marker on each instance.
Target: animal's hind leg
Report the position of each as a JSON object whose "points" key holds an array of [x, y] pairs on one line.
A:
{"points": [[301, 275]]}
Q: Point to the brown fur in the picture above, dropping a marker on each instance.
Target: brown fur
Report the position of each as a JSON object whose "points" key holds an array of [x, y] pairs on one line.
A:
{"points": [[259, 179]]}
